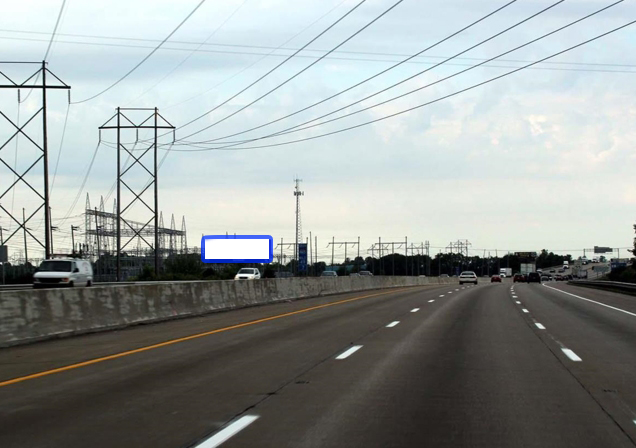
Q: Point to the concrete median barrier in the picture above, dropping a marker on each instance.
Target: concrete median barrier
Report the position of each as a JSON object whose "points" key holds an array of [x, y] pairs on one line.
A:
{"points": [[34, 315]]}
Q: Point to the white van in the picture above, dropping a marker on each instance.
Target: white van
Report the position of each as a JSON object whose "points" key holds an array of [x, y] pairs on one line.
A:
{"points": [[63, 272]]}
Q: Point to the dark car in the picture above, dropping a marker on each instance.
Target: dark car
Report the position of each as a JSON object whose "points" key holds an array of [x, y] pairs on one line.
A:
{"points": [[533, 277], [559, 278], [495, 278], [518, 278]]}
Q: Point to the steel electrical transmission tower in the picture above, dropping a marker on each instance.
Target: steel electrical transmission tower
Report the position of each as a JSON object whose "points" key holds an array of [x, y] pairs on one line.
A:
{"points": [[34, 153], [299, 229], [129, 121]]}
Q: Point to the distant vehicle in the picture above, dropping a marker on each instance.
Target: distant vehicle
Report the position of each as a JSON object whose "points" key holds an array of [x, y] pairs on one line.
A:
{"points": [[533, 277], [505, 272], [329, 274], [552, 271], [248, 274], [584, 260], [518, 278], [539, 271], [595, 260], [569, 277], [365, 273], [561, 271], [67, 272], [566, 264], [559, 278], [545, 278], [467, 277], [582, 274], [495, 279]]}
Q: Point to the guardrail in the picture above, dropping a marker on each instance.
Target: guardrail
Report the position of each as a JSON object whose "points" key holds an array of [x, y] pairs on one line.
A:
{"points": [[629, 288]]}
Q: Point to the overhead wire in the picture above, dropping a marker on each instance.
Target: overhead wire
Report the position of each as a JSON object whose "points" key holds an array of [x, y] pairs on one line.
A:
{"points": [[424, 104], [258, 60], [59, 154], [183, 61], [271, 54], [450, 36], [341, 18], [48, 48], [375, 19], [299, 127], [145, 58]]}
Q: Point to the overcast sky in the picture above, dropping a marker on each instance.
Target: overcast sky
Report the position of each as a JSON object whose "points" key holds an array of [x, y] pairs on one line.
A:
{"points": [[540, 159]]}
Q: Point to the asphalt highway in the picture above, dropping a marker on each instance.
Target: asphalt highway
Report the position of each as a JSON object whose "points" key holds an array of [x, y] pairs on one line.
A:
{"points": [[493, 365]]}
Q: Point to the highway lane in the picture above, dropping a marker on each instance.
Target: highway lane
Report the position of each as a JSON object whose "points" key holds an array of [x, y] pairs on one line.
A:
{"points": [[600, 327], [441, 366]]}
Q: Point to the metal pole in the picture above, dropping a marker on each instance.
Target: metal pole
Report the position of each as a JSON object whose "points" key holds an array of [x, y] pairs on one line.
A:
{"points": [[47, 221], [381, 261], [332, 246], [393, 258], [156, 201], [73, 239], [406, 260], [311, 257], [358, 247], [2, 244], [345, 259], [26, 251], [316, 255], [119, 195], [97, 263]]}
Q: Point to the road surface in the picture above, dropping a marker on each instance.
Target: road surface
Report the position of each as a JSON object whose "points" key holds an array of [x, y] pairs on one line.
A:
{"points": [[493, 365]]}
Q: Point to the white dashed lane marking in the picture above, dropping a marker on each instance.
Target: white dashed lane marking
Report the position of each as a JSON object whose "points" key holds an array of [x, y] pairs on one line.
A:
{"points": [[393, 324], [349, 352], [525, 310], [570, 354], [539, 326], [227, 432], [431, 301], [415, 310], [517, 302]]}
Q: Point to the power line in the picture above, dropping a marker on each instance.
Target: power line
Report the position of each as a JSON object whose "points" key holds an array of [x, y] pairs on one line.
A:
{"points": [[48, 48], [277, 66], [424, 104], [227, 19], [300, 72], [259, 59], [280, 47], [299, 127], [59, 154], [371, 77], [145, 58]]}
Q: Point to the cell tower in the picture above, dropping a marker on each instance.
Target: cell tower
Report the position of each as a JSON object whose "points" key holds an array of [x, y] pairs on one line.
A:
{"points": [[299, 229]]}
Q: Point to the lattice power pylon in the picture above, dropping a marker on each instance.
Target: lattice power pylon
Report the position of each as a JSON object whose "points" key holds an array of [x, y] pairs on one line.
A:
{"points": [[35, 154], [128, 122]]}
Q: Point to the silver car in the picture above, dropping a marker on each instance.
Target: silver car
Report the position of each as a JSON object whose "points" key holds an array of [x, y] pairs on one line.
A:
{"points": [[467, 277]]}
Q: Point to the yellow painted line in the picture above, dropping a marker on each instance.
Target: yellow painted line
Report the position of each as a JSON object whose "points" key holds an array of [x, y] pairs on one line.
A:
{"points": [[184, 339]]}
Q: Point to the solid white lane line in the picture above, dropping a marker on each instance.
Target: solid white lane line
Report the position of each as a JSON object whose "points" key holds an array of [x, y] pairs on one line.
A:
{"points": [[227, 432], [517, 302], [349, 352], [539, 326], [593, 301], [393, 324], [415, 310], [525, 310], [431, 301], [570, 354]]}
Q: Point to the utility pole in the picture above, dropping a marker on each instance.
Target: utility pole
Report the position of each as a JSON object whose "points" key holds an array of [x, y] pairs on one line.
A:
{"points": [[341, 243], [316, 250], [127, 119], [332, 248], [52, 229], [311, 257], [26, 251], [299, 230], [2, 244], [41, 155], [73, 229]]}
